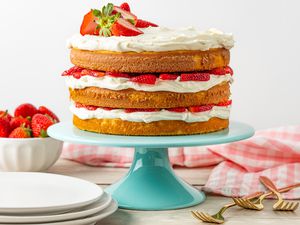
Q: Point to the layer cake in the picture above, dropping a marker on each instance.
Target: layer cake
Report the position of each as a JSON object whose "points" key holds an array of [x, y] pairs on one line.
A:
{"points": [[136, 78]]}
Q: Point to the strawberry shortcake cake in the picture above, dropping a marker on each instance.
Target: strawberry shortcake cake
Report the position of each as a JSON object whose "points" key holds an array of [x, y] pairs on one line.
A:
{"points": [[133, 77]]}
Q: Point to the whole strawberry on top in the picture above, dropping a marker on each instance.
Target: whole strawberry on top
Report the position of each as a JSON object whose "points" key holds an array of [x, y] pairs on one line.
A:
{"points": [[113, 20], [28, 122]]}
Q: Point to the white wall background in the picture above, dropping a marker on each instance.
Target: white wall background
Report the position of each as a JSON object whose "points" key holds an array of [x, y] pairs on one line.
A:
{"points": [[266, 58]]}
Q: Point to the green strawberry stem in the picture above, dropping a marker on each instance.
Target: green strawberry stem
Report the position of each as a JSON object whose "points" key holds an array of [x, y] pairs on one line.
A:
{"points": [[43, 134], [105, 19]]}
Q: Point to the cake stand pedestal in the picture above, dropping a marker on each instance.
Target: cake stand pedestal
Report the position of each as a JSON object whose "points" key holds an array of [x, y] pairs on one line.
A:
{"points": [[151, 183]]}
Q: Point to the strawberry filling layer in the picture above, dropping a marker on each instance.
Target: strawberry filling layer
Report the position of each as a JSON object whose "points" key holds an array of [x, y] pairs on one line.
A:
{"points": [[78, 72], [200, 108], [189, 115], [79, 78]]}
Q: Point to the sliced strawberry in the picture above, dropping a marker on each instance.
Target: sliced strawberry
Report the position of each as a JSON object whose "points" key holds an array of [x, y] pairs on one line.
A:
{"points": [[229, 70], [179, 109], [195, 77], [77, 75], [78, 72], [201, 108], [123, 28], [79, 105], [93, 73], [91, 107], [144, 79], [127, 15], [72, 70], [168, 76], [229, 102], [89, 26], [140, 110], [45, 111], [19, 121], [222, 71], [125, 6], [117, 74], [144, 24], [107, 108]]}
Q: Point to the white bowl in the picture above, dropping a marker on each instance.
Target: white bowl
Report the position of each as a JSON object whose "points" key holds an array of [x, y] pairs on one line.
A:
{"points": [[29, 154]]}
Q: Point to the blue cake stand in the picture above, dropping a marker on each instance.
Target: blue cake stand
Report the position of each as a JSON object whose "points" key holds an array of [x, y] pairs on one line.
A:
{"points": [[151, 183]]}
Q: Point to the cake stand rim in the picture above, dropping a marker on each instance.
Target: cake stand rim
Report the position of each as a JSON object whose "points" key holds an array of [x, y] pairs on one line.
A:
{"points": [[66, 131]]}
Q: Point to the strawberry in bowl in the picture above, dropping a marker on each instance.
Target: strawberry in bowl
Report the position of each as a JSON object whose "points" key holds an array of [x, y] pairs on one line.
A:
{"points": [[24, 143]]}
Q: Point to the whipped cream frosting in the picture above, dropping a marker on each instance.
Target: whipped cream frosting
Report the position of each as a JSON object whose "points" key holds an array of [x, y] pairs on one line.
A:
{"points": [[222, 112], [119, 83], [156, 39]]}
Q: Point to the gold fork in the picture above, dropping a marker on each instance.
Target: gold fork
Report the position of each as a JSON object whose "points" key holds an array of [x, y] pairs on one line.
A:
{"points": [[257, 204], [280, 205], [218, 218]]}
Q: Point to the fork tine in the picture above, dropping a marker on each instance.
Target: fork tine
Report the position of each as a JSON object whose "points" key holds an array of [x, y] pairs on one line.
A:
{"points": [[286, 206], [243, 203], [290, 206], [296, 206], [238, 201], [196, 216], [208, 218], [204, 216], [250, 205], [200, 216], [246, 203], [293, 206], [279, 206]]}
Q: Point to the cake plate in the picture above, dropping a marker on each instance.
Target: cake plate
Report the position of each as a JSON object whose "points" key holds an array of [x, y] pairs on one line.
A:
{"points": [[151, 183]]}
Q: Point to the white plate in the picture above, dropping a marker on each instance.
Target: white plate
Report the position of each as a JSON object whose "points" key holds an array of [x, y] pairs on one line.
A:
{"points": [[113, 206], [78, 213], [25, 193]]}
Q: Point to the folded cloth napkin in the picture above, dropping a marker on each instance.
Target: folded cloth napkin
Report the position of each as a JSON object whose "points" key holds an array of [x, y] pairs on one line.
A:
{"points": [[274, 153]]}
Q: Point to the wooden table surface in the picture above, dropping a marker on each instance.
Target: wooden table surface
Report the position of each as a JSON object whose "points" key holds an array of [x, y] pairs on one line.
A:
{"points": [[196, 177]]}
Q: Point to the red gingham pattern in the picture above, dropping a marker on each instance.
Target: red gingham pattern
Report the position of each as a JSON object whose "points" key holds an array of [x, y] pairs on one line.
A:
{"points": [[274, 153]]}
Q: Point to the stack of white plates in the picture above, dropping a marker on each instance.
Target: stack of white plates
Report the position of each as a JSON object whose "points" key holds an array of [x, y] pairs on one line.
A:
{"points": [[49, 199]]}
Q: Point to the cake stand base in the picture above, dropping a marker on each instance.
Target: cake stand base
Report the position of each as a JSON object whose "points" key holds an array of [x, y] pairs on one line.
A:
{"points": [[151, 184]]}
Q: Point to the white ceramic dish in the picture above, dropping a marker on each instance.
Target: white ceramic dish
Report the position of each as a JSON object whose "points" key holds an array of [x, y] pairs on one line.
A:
{"points": [[29, 154], [91, 209], [31, 193], [113, 206]]}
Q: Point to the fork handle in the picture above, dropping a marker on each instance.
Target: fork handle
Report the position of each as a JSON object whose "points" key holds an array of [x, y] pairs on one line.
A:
{"points": [[285, 189], [288, 188], [254, 195], [268, 183]]}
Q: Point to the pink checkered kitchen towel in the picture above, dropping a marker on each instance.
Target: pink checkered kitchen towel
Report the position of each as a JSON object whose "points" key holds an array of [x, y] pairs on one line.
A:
{"points": [[274, 153]]}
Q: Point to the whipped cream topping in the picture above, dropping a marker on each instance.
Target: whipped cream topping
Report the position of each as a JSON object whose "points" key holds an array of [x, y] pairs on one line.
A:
{"points": [[156, 39], [119, 83], [221, 112]]}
